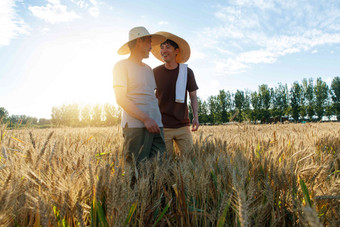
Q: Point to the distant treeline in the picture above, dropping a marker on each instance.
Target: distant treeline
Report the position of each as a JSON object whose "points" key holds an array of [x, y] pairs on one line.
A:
{"points": [[73, 115], [15, 120], [87, 115], [306, 101]]}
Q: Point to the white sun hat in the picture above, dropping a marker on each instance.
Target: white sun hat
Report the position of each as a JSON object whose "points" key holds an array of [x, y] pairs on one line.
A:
{"points": [[139, 32]]}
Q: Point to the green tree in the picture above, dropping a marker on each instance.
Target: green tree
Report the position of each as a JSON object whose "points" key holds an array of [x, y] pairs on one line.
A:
{"points": [[239, 101], [295, 98], [56, 116], [44, 121], [329, 109], [86, 115], [214, 110], [70, 115], [3, 114], [97, 114], [13, 120], [31, 120], [280, 101], [321, 96], [203, 116], [110, 112], [265, 95], [256, 104], [303, 107], [73, 114], [224, 101], [65, 119], [308, 92], [335, 94], [23, 119], [246, 115], [67, 115]]}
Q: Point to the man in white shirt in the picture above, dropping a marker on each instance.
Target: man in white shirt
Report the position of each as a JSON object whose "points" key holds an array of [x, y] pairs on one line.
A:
{"points": [[134, 86]]}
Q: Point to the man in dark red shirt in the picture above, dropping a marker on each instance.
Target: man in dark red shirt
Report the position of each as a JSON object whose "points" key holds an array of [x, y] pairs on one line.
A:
{"points": [[174, 80]]}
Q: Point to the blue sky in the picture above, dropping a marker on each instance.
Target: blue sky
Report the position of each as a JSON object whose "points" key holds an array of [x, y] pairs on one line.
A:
{"points": [[55, 52]]}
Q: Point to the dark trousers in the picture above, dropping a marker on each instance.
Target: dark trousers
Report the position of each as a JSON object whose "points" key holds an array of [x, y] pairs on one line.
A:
{"points": [[142, 145]]}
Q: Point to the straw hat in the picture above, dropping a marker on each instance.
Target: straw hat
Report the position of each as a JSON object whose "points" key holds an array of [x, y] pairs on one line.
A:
{"points": [[184, 48], [139, 32]]}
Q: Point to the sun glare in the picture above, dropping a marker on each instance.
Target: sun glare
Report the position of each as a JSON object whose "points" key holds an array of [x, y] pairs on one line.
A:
{"points": [[73, 69]]}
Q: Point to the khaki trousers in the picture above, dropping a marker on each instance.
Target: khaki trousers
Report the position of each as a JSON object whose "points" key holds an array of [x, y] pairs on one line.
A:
{"points": [[182, 138]]}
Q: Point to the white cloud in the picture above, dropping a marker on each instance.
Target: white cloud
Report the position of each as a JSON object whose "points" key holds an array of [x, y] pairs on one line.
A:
{"points": [[248, 36], [283, 45], [230, 66], [11, 26], [44, 30], [211, 87], [227, 31], [237, 19], [53, 12], [196, 55], [94, 2], [94, 11], [257, 56], [224, 51], [262, 4], [163, 23], [80, 3]]}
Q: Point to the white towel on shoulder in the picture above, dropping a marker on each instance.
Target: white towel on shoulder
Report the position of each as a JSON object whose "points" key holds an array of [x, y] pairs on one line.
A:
{"points": [[181, 83]]}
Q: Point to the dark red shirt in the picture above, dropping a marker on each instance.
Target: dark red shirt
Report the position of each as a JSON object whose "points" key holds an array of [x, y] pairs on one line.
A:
{"points": [[174, 115]]}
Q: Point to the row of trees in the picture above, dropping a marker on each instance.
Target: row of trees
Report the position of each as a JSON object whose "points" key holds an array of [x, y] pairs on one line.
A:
{"points": [[72, 115], [87, 115], [13, 120], [303, 101]]}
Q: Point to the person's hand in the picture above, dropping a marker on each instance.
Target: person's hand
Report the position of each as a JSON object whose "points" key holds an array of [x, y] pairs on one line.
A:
{"points": [[195, 125], [151, 125]]}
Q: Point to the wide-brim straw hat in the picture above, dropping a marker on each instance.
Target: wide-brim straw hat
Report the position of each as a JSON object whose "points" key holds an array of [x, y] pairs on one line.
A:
{"points": [[184, 48], [139, 32]]}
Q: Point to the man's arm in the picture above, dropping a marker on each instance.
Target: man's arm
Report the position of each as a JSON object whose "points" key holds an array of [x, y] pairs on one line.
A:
{"points": [[194, 106], [134, 111]]}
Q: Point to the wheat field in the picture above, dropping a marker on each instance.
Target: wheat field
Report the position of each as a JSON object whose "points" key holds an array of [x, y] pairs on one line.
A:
{"points": [[236, 175]]}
